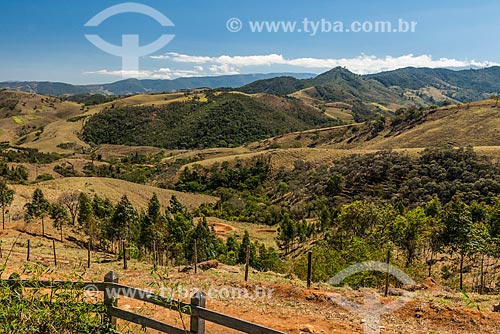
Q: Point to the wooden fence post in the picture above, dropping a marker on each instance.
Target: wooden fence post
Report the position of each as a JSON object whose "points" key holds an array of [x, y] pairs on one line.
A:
{"points": [[197, 324], [247, 262], [195, 256], [89, 248], [28, 254], [54, 248], [155, 254], [309, 268], [386, 292], [481, 275], [124, 251], [110, 294]]}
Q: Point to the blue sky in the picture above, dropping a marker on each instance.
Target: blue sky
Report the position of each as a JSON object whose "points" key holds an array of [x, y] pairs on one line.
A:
{"points": [[44, 40]]}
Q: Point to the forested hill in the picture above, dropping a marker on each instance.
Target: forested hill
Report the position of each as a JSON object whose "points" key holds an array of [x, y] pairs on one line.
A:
{"points": [[417, 86], [221, 120]]}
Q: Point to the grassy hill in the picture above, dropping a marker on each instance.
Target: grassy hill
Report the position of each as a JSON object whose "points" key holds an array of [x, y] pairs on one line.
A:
{"points": [[366, 98], [52, 124], [474, 124], [381, 93], [221, 120], [113, 189], [38, 121]]}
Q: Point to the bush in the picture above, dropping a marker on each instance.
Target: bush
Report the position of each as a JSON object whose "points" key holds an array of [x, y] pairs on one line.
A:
{"points": [[50, 311], [44, 177]]}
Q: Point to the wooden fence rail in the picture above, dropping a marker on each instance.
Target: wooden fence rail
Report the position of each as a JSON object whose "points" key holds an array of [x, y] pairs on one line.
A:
{"points": [[112, 290]]}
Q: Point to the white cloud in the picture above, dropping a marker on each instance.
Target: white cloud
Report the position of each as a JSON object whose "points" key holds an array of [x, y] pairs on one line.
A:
{"points": [[226, 65], [363, 64], [224, 69], [161, 73]]}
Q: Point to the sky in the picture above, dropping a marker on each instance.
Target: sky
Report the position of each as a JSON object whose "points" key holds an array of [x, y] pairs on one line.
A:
{"points": [[46, 40]]}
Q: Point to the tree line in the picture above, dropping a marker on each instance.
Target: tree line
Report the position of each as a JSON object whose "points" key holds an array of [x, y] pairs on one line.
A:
{"points": [[172, 231], [443, 201]]}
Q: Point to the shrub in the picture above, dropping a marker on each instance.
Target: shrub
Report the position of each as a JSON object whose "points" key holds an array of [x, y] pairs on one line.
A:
{"points": [[44, 177]]}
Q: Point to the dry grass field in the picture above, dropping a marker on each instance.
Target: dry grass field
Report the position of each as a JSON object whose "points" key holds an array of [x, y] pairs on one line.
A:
{"points": [[113, 189], [40, 122]]}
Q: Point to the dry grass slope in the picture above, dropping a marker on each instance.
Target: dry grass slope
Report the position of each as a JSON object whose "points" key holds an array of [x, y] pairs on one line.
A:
{"points": [[40, 114], [113, 189]]}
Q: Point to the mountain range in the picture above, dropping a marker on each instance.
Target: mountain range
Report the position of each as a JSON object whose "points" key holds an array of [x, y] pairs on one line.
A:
{"points": [[415, 84], [136, 86], [406, 84], [339, 92], [365, 96]]}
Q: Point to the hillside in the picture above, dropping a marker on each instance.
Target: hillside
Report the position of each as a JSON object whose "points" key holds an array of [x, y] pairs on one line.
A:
{"points": [[364, 98], [52, 124], [277, 86], [474, 124], [370, 95], [38, 121], [107, 188], [223, 120], [463, 86]]}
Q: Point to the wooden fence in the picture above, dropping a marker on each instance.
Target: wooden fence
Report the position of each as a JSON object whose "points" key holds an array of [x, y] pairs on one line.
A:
{"points": [[196, 310]]}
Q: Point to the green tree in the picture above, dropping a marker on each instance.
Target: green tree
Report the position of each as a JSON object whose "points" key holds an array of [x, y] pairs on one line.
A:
{"points": [[86, 219], [269, 259], [60, 217], [286, 232], [176, 206], [150, 222], [38, 208], [243, 250], [493, 224], [459, 232], [407, 232], [206, 241], [179, 227], [496, 98], [6, 198], [125, 221], [433, 231]]}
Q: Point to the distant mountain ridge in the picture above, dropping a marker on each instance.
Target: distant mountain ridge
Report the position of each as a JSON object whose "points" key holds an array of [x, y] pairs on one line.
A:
{"points": [[339, 92], [462, 86], [368, 96], [136, 86]]}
